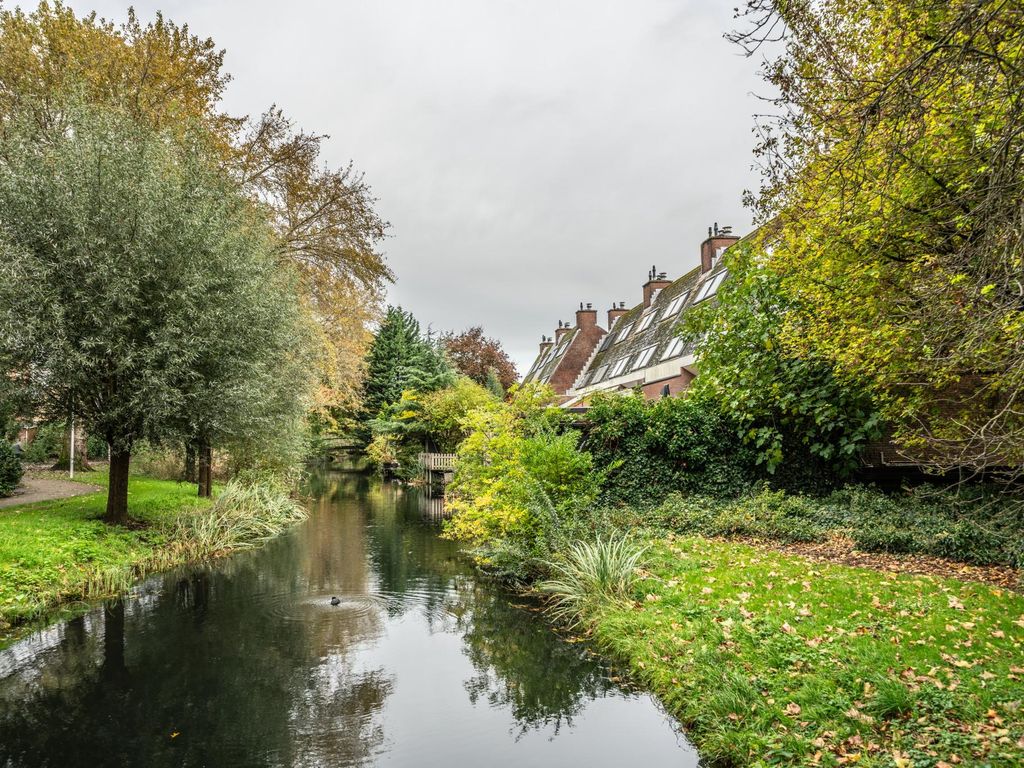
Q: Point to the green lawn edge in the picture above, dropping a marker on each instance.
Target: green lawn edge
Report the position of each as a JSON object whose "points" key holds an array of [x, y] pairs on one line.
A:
{"points": [[57, 555], [770, 659]]}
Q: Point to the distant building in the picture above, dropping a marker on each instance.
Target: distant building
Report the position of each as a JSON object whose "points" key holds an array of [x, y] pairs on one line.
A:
{"points": [[640, 348]]}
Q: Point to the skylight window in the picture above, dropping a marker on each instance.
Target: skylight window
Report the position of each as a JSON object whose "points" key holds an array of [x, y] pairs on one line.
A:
{"points": [[676, 305], [619, 367], [710, 287], [643, 358], [674, 349], [645, 322], [623, 333], [598, 374]]}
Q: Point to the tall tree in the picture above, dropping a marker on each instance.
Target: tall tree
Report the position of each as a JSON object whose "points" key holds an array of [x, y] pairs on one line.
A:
{"points": [[401, 358], [792, 409], [474, 355], [895, 171], [116, 243], [166, 77], [250, 385], [327, 226]]}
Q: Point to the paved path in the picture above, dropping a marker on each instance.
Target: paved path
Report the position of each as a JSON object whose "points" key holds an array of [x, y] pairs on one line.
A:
{"points": [[44, 489]]}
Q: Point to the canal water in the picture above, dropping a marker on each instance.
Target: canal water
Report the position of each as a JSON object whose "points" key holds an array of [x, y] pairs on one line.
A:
{"points": [[245, 662]]}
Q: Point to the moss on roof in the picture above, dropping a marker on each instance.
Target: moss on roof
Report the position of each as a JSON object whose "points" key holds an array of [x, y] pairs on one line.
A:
{"points": [[658, 334], [544, 366]]}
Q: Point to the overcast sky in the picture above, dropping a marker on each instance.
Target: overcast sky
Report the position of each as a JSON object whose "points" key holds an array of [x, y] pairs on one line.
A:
{"points": [[529, 154]]}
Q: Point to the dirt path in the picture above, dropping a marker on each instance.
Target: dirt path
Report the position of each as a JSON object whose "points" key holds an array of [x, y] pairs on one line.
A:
{"points": [[46, 489]]}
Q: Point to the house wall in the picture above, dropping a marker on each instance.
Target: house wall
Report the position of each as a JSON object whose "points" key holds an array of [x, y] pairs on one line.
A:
{"points": [[653, 390]]}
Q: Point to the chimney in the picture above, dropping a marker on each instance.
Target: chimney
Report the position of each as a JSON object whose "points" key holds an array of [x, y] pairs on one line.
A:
{"points": [[563, 328], [545, 344], [586, 317], [655, 282], [717, 239], [617, 311]]}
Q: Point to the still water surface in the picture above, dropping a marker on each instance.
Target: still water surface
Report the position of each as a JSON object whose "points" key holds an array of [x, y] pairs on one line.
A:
{"points": [[246, 663]]}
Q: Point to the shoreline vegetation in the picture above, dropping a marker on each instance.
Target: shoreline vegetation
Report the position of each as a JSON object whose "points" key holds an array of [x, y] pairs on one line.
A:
{"points": [[54, 554], [768, 658]]}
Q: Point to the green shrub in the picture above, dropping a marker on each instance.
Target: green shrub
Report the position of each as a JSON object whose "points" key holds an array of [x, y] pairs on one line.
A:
{"points": [[969, 526], [46, 444], [10, 469], [674, 444], [164, 461], [522, 484], [95, 447]]}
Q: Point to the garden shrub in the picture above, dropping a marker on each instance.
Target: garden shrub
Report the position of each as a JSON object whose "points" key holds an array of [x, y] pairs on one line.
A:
{"points": [[10, 469], [164, 461], [521, 482], [674, 444], [969, 527], [46, 444]]}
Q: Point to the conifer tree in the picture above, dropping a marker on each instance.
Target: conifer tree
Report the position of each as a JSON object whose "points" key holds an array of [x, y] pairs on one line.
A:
{"points": [[493, 383], [401, 358]]}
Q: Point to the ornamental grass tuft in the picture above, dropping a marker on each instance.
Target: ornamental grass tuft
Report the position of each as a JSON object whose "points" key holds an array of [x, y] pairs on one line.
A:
{"points": [[589, 575]]}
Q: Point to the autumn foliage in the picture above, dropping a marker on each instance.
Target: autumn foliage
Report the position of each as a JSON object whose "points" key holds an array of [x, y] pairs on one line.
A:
{"points": [[474, 355]]}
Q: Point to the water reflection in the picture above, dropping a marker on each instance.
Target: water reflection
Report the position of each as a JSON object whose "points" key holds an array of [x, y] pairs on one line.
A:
{"points": [[247, 663]]}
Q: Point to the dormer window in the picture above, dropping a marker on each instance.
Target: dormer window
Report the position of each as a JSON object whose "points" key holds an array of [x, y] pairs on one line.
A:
{"points": [[677, 304], [710, 287], [675, 349], [619, 367]]}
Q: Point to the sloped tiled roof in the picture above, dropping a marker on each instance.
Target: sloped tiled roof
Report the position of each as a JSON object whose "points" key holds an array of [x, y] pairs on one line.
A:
{"points": [[546, 362], [642, 338]]}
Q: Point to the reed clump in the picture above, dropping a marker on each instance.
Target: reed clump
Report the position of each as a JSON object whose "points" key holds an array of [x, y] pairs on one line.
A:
{"points": [[244, 514], [590, 574]]}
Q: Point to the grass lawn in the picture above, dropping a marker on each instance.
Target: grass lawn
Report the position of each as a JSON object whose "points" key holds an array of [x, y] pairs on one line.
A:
{"points": [[770, 659], [54, 552]]}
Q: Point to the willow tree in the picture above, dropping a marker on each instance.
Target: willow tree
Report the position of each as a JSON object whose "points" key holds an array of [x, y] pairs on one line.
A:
{"points": [[168, 78], [251, 383], [894, 169], [117, 241]]}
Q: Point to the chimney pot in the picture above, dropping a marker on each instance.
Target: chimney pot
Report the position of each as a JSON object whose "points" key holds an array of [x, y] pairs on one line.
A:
{"points": [[586, 318], [718, 239]]}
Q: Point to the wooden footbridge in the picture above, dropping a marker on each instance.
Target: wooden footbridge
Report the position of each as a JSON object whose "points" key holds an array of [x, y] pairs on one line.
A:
{"points": [[437, 467]]}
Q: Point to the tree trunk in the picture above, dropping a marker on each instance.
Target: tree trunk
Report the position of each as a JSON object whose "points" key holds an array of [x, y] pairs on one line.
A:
{"points": [[191, 470], [117, 492], [205, 471]]}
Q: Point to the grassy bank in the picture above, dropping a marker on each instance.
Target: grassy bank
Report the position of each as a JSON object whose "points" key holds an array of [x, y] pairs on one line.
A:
{"points": [[57, 552], [770, 659]]}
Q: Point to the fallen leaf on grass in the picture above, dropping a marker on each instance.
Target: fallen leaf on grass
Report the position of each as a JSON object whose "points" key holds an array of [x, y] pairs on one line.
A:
{"points": [[793, 709]]}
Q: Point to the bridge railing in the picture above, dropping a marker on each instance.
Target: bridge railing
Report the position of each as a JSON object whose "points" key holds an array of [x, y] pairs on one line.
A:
{"points": [[437, 462]]}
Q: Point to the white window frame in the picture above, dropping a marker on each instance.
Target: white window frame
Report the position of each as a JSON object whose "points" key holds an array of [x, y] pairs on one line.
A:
{"points": [[624, 333], [675, 349], [645, 322], [643, 358], [676, 305], [619, 367], [598, 375], [710, 288]]}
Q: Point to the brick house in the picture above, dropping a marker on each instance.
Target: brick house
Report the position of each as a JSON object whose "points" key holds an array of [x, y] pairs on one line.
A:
{"points": [[561, 359], [640, 348]]}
